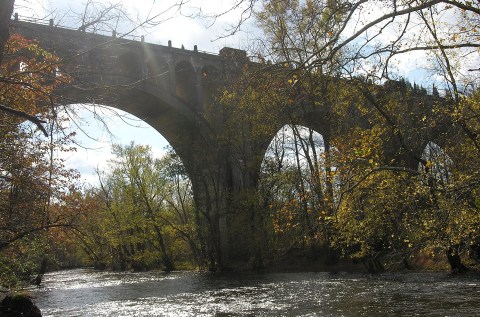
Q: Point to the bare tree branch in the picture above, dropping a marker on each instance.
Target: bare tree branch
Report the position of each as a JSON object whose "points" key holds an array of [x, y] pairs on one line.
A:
{"points": [[39, 123]]}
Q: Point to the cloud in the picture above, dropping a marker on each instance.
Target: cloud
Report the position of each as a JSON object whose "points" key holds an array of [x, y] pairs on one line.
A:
{"points": [[94, 142]]}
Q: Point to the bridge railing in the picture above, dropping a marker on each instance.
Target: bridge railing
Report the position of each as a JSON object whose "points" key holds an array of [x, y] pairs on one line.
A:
{"points": [[113, 33], [50, 22], [42, 21]]}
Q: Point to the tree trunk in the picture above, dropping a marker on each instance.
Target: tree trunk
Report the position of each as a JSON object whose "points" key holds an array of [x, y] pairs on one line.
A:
{"points": [[6, 10], [167, 262], [455, 261], [42, 270]]}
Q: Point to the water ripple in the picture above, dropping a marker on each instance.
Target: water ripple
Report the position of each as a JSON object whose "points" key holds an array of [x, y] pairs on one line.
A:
{"points": [[94, 293]]}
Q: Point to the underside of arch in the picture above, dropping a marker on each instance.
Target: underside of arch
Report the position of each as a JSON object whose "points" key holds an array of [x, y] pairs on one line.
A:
{"points": [[161, 109]]}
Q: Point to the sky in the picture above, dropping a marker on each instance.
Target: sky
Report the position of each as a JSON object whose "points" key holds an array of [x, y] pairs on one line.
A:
{"points": [[183, 26]]}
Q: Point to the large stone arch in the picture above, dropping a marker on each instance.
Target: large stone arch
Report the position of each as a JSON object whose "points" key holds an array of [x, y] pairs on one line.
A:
{"points": [[440, 132], [308, 117], [160, 108], [321, 139]]}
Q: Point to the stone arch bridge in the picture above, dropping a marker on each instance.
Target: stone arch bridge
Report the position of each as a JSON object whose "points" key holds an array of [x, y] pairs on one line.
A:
{"points": [[170, 88]]}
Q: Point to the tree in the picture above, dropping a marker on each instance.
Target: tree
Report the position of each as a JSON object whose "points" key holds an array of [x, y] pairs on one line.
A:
{"points": [[6, 10], [134, 195], [357, 43], [295, 186], [184, 217], [295, 31], [142, 215], [25, 156], [33, 182]]}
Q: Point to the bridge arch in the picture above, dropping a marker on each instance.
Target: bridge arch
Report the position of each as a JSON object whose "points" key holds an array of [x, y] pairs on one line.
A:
{"points": [[297, 187], [299, 148], [171, 116], [158, 72], [185, 82]]}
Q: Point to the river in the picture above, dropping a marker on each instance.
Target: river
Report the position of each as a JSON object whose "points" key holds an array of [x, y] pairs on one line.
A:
{"points": [[85, 292]]}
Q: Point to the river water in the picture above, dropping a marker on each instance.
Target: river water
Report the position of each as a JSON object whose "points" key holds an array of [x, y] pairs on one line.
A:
{"points": [[87, 292]]}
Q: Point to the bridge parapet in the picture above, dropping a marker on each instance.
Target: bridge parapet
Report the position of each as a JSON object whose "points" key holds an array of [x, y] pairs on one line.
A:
{"points": [[99, 59]]}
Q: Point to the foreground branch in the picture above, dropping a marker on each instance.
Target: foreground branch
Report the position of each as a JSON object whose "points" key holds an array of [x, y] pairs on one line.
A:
{"points": [[39, 123]]}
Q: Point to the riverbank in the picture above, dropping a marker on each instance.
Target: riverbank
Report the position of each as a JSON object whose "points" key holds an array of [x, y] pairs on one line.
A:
{"points": [[416, 263], [18, 304]]}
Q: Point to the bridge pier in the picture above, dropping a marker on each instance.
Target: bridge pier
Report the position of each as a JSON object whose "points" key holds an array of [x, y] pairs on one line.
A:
{"points": [[225, 195]]}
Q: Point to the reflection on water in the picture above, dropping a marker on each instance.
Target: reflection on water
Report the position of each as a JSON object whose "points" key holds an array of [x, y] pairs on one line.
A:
{"points": [[93, 293]]}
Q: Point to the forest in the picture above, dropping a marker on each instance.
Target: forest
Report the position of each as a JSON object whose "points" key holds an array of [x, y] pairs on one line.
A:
{"points": [[356, 194]]}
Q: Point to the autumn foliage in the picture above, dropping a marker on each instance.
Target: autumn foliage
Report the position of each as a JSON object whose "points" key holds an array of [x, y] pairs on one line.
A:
{"points": [[35, 188]]}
